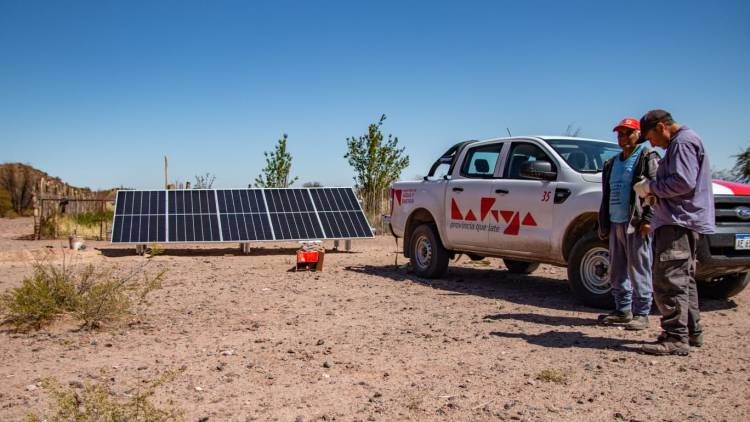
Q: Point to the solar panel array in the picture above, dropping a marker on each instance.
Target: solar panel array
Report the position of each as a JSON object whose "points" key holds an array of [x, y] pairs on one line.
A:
{"points": [[237, 215]]}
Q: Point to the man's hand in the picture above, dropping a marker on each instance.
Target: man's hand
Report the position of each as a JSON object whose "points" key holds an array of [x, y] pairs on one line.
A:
{"points": [[642, 188], [645, 229]]}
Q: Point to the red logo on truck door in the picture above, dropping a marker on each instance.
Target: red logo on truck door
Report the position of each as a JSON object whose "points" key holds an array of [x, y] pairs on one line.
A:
{"points": [[402, 196], [510, 217]]}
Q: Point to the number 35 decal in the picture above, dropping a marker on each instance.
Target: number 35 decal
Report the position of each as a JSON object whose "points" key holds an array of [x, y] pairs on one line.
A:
{"points": [[546, 195]]}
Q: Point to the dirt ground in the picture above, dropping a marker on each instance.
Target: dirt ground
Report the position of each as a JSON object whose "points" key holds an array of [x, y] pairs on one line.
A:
{"points": [[365, 340]]}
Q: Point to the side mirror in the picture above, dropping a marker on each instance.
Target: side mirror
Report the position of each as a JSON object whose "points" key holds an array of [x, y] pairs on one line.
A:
{"points": [[540, 170]]}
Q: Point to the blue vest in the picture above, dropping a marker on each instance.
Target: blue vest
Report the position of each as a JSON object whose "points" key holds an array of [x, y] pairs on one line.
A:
{"points": [[621, 186]]}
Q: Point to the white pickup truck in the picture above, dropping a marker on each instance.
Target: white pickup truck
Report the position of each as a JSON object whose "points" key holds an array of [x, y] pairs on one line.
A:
{"points": [[532, 200]]}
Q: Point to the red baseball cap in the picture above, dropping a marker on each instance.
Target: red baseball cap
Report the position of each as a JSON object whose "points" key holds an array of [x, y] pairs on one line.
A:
{"points": [[628, 122]]}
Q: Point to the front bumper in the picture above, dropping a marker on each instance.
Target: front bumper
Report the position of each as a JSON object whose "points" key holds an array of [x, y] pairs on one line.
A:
{"points": [[717, 255]]}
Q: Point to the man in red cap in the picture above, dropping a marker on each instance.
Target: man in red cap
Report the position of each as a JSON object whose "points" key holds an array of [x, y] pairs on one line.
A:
{"points": [[624, 219]]}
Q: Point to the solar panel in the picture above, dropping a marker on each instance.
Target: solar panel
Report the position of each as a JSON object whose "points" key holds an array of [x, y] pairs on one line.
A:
{"points": [[139, 217], [340, 213], [243, 215], [192, 216], [292, 214], [237, 215]]}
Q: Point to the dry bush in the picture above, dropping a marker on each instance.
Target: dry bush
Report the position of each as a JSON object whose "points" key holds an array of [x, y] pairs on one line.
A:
{"points": [[42, 297], [96, 403], [552, 375], [94, 296]]}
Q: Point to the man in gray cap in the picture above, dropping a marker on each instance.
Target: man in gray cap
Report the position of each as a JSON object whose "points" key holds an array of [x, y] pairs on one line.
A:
{"points": [[684, 210]]}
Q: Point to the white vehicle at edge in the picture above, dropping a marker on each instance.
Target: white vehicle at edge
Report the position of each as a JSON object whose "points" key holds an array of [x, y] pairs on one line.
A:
{"points": [[532, 200]]}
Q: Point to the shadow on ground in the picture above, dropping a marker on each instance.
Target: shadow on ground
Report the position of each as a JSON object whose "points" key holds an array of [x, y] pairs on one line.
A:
{"points": [[566, 339], [119, 252], [533, 290]]}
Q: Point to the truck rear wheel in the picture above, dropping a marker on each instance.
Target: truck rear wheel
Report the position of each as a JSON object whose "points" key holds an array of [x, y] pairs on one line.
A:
{"points": [[428, 257], [520, 267], [588, 271], [723, 287]]}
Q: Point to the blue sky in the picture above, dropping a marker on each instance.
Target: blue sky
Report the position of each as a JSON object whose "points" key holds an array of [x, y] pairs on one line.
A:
{"points": [[98, 92]]}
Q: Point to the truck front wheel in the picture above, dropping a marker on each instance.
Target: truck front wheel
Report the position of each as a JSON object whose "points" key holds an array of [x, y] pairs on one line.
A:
{"points": [[588, 271], [723, 287], [428, 257], [520, 267]]}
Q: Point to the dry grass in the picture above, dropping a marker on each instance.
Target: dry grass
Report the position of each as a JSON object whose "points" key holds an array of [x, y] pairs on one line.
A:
{"points": [[96, 403]]}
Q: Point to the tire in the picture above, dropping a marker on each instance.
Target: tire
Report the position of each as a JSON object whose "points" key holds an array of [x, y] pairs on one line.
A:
{"points": [[520, 267], [723, 287], [588, 272], [428, 257]]}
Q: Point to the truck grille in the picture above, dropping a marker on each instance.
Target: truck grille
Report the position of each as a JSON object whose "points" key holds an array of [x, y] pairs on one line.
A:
{"points": [[732, 209]]}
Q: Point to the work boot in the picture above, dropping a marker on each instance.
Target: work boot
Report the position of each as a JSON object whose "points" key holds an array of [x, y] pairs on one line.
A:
{"points": [[638, 323], [695, 340], [615, 317], [669, 346]]}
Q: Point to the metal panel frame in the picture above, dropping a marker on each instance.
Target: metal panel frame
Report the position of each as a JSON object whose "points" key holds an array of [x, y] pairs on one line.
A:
{"points": [[218, 216]]}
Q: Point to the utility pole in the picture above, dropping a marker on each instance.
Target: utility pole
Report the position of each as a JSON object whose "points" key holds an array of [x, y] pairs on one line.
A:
{"points": [[166, 173]]}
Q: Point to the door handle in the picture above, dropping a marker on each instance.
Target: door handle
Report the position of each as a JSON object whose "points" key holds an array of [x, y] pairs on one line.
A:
{"points": [[503, 191], [458, 189]]}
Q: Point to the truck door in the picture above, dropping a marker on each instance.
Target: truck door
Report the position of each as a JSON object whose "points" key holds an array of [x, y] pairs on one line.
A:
{"points": [[466, 196], [524, 205]]}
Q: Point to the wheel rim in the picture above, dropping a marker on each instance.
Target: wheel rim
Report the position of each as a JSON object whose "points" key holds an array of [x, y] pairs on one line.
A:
{"points": [[595, 270], [423, 251]]}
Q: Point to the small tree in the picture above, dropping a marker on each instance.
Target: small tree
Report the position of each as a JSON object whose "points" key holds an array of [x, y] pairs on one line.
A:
{"points": [[278, 167], [204, 181], [724, 174], [572, 131], [312, 185], [741, 169], [377, 164], [19, 182]]}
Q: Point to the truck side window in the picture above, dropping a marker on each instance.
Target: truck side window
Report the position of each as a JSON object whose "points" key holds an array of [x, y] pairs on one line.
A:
{"points": [[521, 153], [480, 162]]}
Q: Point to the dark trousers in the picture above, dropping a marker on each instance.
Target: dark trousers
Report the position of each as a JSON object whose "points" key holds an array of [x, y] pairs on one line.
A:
{"points": [[675, 291]]}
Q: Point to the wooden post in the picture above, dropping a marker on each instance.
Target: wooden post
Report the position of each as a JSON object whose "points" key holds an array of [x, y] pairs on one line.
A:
{"points": [[101, 222], [166, 173], [34, 201]]}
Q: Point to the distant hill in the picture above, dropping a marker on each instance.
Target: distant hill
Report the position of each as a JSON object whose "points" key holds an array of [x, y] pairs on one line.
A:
{"points": [[19, 181]]}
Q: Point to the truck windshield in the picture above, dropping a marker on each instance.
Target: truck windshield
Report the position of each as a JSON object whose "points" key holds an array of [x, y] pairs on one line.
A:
{"points": [[583, 155]]}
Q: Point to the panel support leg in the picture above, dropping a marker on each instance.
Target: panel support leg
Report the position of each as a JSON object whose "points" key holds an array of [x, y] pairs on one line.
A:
{"points": [[245, 248], [140, 249], [347, 245]]}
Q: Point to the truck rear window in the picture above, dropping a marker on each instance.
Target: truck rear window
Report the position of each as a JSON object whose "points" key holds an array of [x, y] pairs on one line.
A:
{"points": [[480, 162]]}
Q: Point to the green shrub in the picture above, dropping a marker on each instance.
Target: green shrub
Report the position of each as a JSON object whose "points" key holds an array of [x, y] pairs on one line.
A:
{"points": [[9, 214], [6, 204], [93, 218], [98, 404], [93, 296], [43, 296]]}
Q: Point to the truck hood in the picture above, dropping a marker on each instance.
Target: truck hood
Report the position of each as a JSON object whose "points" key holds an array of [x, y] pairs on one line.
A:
{"points": [[722, 187]]}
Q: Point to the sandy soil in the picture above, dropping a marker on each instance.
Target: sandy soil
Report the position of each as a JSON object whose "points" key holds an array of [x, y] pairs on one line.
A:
{"points": [[365, 340]]}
